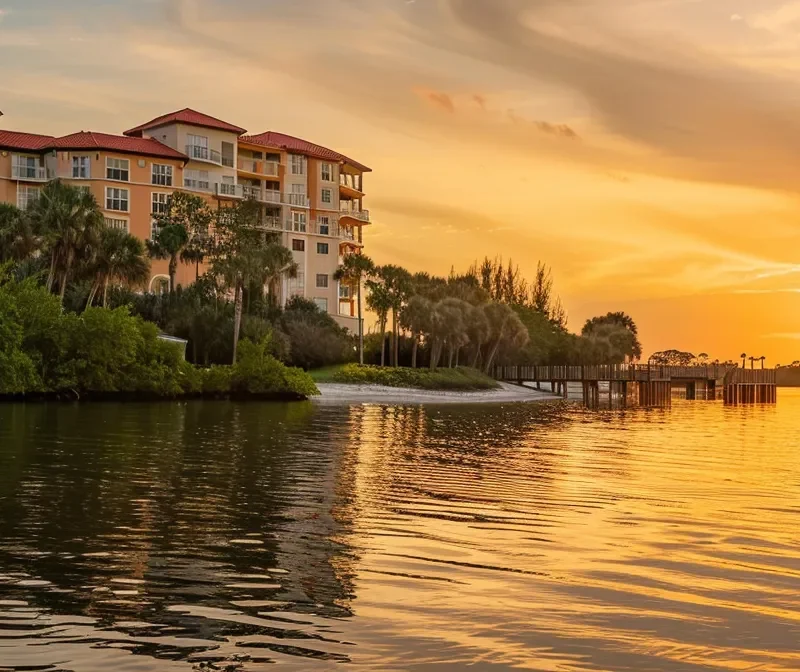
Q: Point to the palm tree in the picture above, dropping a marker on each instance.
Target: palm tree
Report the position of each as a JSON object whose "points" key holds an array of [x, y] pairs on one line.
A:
{"points": [[70, 221], [744, 360], [354, 270], [18, 240], [753, 362], [379, 300], [763, 359], [120, 258], [169, 242], [416, 318], [397, 282]]}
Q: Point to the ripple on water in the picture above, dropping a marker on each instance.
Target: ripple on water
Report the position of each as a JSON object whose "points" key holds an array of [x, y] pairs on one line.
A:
{"points": [[230, 536]]}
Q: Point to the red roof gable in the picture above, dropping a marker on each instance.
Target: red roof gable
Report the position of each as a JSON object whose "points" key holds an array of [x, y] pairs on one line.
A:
{"points": [[116, 143], [291, 144], [187, 116], [31, 142]]}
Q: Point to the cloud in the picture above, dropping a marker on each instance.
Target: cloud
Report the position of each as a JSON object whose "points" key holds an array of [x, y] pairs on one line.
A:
{"points": [[736, 17], [559, 130], [439, 99]]}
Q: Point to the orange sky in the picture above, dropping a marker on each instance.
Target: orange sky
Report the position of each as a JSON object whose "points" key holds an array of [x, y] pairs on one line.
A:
{"points": [[647, 150]]}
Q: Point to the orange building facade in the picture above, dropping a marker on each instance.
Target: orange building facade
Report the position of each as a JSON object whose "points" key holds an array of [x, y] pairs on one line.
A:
{"points": [[311, 195]]}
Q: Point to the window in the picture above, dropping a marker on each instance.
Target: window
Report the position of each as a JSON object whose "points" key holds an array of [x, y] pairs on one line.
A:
{"points": [[322, 248], [26, 167], [162, 175], [299, 221], [196, 179], [80, 167], [327, 172], [322, 281], [327, 196], [118, 169], [117, 199], [297, 286], [26, 196], [298, 245], [298, 164], [324, 225], [114, 223], [160, 204], [227, 154], [322, 304], [197, 140], [84, 188]]}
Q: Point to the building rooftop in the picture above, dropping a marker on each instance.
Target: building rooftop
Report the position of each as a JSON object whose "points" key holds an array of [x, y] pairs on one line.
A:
{"points": [[115, 143], [31, 142], [187, 116], [289, 143]]}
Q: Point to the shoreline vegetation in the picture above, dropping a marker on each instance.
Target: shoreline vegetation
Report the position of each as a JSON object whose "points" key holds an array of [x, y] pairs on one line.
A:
{"points": [[75, 323], [459, 379]]}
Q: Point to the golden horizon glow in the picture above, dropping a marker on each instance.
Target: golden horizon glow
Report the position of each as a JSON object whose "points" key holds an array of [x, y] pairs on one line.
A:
{"points": [[645, 149]]}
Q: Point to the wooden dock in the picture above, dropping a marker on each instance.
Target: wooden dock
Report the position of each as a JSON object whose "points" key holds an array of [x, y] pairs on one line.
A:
{"points": [[648, 385]]}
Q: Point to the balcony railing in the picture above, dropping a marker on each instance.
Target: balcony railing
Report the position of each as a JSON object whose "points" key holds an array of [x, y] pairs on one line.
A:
{"points": [[196, 185], [260, 167], [199, 153], [299, 200], [351, 181], [29, 172], [251, 192], [332, 229], [360, 215], [229, 190]]}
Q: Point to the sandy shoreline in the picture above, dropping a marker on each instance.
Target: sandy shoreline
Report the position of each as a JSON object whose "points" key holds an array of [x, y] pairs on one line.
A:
{"points": [[334, 393]]}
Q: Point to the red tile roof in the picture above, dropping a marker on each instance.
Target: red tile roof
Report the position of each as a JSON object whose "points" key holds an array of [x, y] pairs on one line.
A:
{"points": [[187, 116], [30, 142], [116, 143], [289, 143]]}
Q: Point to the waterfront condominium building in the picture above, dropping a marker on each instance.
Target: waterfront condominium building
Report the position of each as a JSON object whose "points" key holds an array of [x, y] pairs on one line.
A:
{"points": [[312, 195]]}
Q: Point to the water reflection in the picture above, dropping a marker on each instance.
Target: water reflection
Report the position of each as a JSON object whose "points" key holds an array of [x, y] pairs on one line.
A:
{"points": [[234, 536]]}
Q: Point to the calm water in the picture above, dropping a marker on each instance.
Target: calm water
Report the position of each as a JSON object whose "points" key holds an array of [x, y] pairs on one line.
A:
{"points": [[154, 538]]}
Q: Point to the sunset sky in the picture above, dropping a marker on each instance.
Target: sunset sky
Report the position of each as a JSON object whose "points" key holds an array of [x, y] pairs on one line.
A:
{"points": [[648, 150]]}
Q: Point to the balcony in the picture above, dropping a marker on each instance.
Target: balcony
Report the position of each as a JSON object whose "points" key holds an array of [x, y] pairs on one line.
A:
{"points": [[198, 153], [351, 185], [298, 200], [33, 173], [226, 190], [259, 167], [196, 185], [359, 215]]}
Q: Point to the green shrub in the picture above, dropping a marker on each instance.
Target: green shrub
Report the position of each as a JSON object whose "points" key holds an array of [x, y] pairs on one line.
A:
{"points": [[217, 379], [258, 372], [441, 379]]}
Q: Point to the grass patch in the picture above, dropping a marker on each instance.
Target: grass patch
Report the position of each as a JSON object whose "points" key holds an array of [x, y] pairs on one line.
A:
{"points": [[459, 379]]}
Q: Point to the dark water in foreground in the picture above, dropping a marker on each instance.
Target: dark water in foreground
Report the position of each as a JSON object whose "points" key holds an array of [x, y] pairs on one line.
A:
{"points": [[154, 538]]}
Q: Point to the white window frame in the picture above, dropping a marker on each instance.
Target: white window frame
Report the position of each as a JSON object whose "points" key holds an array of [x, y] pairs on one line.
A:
{"points": [[299, 222], [159, 202], [115, 165], [326, 172], [322, 303], [81, 164], [161, 174], [297, 285], [197, 140], [324, 221], [298, 164], [326, 246], [31, 195], [327, 281], [197, 180], [118, 223], [302, 244], [329, 194], [111, 198]]}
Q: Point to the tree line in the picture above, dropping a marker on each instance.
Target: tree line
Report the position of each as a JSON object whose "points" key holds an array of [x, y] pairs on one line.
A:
{"points": [[487, 315]]}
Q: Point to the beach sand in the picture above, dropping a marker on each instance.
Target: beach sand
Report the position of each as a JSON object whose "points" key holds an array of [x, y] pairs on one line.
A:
{"points": [[334, 393]]}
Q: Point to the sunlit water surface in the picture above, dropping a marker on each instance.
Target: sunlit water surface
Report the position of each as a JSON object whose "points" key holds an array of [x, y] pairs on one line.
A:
{"points": [[163, 537]]}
